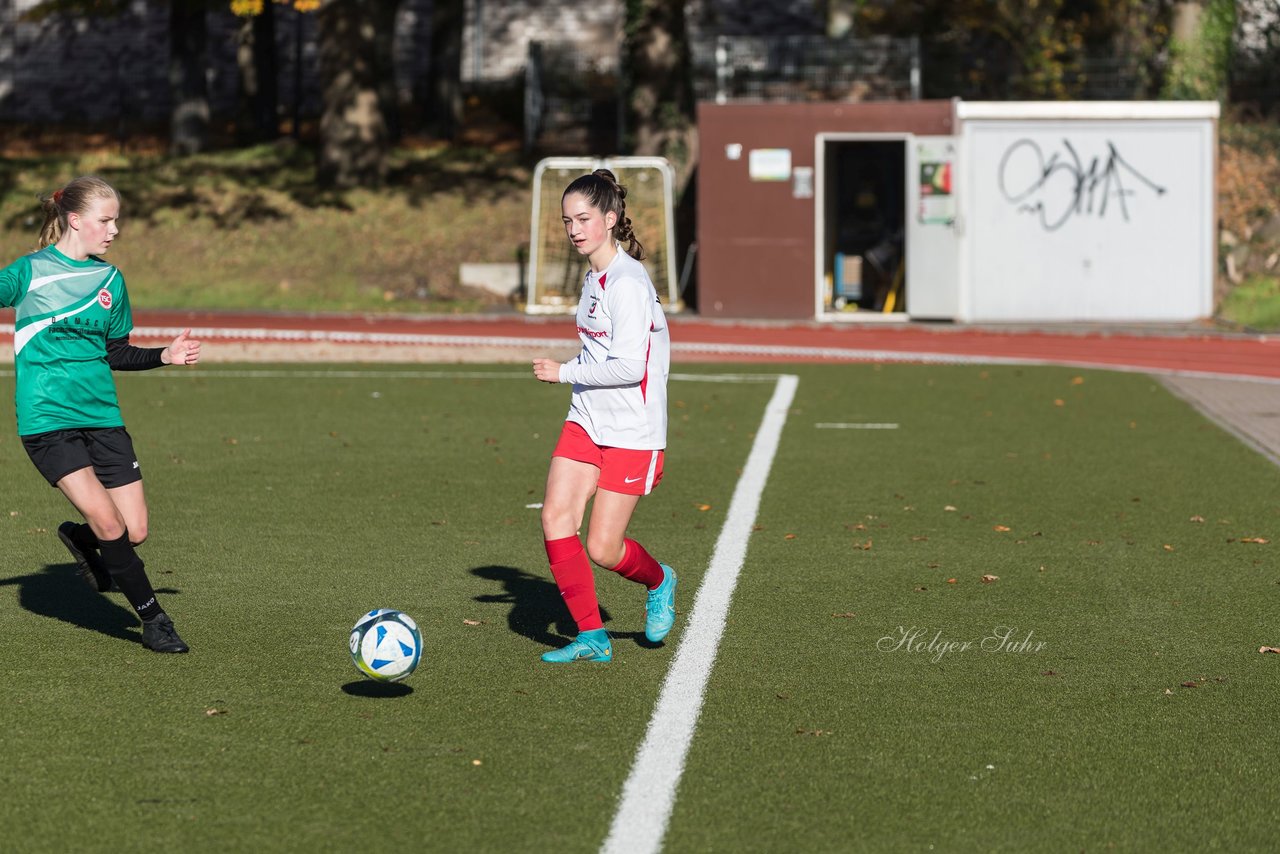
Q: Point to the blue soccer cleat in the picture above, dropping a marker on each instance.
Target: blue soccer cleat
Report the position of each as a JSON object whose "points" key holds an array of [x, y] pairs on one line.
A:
{"points": [[660, 609], [593, 645]]}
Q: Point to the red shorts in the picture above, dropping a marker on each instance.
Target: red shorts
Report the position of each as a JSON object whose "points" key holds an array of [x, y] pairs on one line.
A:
{"points": [[624, 470]]}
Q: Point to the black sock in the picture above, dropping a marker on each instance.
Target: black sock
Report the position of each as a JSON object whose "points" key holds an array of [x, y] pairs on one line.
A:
{"points": [[84, 537], [127, 570]]}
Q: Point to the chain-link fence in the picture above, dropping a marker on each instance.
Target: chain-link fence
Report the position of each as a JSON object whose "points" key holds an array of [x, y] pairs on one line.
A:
{"points": [[572, 97], [805, 68], [573, 102]]}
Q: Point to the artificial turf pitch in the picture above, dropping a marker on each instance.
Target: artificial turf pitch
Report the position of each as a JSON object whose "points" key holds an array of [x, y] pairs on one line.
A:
{"points": [[1111, 692]]}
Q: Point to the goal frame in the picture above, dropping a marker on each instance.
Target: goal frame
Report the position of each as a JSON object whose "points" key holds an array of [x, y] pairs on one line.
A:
{"points": [[533, 305]]}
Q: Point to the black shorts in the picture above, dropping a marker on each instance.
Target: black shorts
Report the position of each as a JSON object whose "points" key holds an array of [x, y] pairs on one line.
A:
{"points": [[108, 449]]}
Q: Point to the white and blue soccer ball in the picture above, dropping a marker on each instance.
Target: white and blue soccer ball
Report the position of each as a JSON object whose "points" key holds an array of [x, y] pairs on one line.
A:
{"points": [[386, 645]]}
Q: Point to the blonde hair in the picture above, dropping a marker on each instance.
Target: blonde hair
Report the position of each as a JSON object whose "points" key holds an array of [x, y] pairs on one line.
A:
{"points": [[75, 197]]}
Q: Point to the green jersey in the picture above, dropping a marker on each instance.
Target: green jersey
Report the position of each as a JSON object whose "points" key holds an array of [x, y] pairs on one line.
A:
{"points": [[65, 312]]}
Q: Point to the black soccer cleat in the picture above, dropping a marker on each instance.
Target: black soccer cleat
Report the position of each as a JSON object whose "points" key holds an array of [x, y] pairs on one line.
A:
{"points": [[88, 564], [159, 635]]}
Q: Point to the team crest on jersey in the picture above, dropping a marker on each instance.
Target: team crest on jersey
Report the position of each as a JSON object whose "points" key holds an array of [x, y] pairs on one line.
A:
{"points": [[104, 297]]}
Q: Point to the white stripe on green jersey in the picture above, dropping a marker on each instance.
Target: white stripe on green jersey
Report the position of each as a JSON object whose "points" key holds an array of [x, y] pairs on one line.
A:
{"points": [[65, 312]]}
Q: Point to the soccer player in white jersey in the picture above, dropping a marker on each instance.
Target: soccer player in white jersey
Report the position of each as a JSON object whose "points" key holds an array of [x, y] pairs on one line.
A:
{"points": [[71, 330], [610, 451]]}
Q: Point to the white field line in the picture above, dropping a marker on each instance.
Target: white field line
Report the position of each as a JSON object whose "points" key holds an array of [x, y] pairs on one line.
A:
{"points": [[649, 792], [853, 425]]}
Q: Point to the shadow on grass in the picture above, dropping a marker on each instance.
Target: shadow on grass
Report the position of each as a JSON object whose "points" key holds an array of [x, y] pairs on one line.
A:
{"points": [[369, 688], [537, 610], [58, 592]]}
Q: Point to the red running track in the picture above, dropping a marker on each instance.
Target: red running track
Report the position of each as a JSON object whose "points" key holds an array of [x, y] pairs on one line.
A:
{"points": [[694, 339]]}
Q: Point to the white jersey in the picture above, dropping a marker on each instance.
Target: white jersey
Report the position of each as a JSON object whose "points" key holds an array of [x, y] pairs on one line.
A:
{"points": [[620, 377]]}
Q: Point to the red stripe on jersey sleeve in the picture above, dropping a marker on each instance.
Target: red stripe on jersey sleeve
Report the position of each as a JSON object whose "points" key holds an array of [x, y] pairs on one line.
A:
{"points": [[644, 381]]}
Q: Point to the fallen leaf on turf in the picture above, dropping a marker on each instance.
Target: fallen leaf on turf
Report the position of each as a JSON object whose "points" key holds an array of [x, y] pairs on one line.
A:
{"points": [[919, 539], [471, 622], [1077, 380], [703, 507], [987, 579], [1057, 401], [858, 527], [951, 581], [789, 537], [1190, 684], [949, 509], [1168, 691], [866, 547], [1196, 519], [1275, 649], [1262, 541], [212, 712], [1002, 528], [476, 762], [1167, 547], [933, 565], [920, 589]]}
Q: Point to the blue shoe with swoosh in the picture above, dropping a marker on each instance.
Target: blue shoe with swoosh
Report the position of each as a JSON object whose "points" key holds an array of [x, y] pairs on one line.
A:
{"points": [[593, 645], [660, 609]]}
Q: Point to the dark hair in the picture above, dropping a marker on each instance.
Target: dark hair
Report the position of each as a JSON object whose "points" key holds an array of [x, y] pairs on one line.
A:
{"points": [[75, 197], [602, 190]]}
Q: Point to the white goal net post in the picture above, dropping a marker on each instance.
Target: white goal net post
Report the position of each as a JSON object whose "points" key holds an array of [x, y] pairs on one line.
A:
{"points": [[556, 269]]}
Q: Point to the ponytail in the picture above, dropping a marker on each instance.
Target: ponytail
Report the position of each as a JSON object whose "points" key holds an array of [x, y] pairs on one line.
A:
{"points": [[75, 197]]}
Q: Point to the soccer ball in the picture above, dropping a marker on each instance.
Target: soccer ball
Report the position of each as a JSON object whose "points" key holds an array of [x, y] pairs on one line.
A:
{"points": [[386, 645]]}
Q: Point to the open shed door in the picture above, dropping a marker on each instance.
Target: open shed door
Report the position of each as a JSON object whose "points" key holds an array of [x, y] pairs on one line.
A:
{"points": [[933, 224]]}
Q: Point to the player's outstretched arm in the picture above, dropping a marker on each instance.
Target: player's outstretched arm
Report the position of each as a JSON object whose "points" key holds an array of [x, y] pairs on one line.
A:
{"points": [[183, 350]]}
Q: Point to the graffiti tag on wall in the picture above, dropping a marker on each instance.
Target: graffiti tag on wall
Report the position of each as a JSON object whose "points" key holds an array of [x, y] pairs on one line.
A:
{"points": [[1057, 187]]}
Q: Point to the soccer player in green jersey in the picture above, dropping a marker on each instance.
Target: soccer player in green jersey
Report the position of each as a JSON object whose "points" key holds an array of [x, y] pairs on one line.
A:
{"points": [[71, 330]]}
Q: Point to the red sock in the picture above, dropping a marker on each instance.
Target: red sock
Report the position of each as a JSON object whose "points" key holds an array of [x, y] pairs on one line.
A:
{"points": [[572, 572], [638, 565]]}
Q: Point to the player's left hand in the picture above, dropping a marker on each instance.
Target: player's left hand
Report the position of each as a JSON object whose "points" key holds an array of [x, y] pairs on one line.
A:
{"points": [[182, 351], [547, 370]]}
